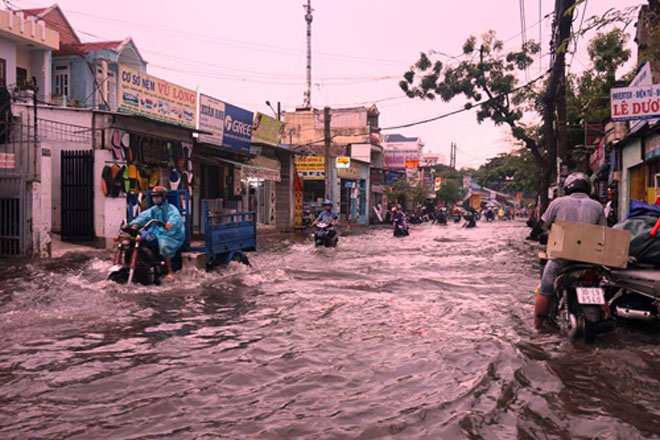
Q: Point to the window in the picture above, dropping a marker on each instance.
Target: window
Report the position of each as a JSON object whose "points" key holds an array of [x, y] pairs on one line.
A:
{"points": [[21, 77], [3, 72], [61, 80]]}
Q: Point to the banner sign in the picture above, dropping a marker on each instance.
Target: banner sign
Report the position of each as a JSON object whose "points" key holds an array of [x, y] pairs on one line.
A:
{"points": [[412, 164], [230, 126], [310, 167], [343, 162], [351, 172], [395, 159], [413, 176], [155, 98], [633, 103], [267, 130]]}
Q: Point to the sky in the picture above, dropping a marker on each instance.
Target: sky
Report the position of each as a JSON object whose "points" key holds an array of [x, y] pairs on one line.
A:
{"points": [[249, 51]]}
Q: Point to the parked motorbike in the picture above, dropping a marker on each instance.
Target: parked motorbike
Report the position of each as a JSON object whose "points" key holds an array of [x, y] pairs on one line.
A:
{"points": [[634, 293], [401, 228], [323, 235], [137, 258], [580, 307]]}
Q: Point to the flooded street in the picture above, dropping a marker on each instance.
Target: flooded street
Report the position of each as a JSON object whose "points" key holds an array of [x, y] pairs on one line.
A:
{"points": [[428, 336]]}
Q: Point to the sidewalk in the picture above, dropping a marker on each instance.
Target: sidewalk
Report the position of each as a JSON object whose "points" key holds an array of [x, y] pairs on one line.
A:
{"points": [[59, 248]]}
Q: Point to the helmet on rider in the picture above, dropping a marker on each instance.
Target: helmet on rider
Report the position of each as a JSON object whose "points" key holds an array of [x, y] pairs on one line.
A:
{"points": [[158, 195], [394, 209], [577, 183], [327, 204]]}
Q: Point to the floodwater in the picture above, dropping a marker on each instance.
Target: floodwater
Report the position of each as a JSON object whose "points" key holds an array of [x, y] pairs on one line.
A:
{"points": [[427, 336]]}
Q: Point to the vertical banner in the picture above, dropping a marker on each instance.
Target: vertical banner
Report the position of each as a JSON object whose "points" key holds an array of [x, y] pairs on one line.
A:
{"points": [[297, 201]]}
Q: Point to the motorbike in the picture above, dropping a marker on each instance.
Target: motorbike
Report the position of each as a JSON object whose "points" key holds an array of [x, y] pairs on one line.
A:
{"points": [[401, 228], [323, 235], [634, 293], [137, 259], [470, 220], [489, 215], [580, 306], [441, 218]]}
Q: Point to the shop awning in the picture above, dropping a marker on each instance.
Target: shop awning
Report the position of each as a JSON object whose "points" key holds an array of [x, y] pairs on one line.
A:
{"points": [[247, 171]]}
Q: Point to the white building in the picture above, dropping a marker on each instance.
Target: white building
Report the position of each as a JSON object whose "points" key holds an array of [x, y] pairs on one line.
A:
{"points": [[400, 149]]}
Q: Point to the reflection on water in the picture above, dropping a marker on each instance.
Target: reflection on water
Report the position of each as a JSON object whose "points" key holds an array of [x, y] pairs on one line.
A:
{"points": [[427, 336]]}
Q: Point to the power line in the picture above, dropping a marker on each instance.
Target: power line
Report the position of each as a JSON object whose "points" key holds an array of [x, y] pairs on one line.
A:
{"points": [[454, 112]]}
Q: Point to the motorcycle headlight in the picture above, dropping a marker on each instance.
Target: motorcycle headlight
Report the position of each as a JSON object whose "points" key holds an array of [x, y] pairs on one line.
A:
{"points": [[126, 242]]}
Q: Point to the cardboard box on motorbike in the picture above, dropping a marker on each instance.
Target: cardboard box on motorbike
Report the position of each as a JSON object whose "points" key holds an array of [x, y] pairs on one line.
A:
{"points": [[588, 243]]}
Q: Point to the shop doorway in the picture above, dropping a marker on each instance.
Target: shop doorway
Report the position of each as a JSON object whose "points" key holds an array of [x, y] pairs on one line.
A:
{"points": [[77, 195]]}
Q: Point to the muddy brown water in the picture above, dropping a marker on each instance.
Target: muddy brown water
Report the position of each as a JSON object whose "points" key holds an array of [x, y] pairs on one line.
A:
{"points": [[427, 336]]}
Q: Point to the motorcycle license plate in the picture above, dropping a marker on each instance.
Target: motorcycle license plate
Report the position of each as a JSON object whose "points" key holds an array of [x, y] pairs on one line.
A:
{"points": [[590, 295]]}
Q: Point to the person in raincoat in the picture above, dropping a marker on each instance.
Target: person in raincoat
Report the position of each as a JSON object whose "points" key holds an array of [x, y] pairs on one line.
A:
{"points": [[172, 235]]}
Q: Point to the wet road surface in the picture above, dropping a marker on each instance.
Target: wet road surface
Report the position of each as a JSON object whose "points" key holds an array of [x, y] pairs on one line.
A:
{"points": [[427, 336]]}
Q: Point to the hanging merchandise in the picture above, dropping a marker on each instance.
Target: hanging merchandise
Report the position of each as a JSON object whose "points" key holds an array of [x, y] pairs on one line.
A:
{"points": [[131, 204], [126, 146], [175, 180], [143, 175], [126, 180], [133, 178], [154, 179], [115, 142], [106, 180], [135, 145], [117, 181]]}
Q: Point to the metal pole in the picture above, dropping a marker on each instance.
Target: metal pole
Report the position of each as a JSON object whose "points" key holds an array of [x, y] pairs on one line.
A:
{"points": [[279, 111], [327, 139], [308, 19]]}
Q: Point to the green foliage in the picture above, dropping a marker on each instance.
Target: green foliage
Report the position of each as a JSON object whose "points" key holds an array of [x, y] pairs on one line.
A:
{"points": [[510, 172], [403, 192], [608, 52], [450, 192]]}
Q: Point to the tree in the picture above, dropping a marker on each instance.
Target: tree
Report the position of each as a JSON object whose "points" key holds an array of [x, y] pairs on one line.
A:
{"points": [[510, 172], [449, 193], [487, 78]]}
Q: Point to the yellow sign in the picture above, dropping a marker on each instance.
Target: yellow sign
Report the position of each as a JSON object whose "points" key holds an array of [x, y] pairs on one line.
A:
{"points": [[267, 130], [412, 164], [343, 162], [156, 98], [310, 167]]}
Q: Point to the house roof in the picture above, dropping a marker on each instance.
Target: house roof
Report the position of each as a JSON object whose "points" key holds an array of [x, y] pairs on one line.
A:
{"points": [[56, 20], [399, 138], [85, 48]]}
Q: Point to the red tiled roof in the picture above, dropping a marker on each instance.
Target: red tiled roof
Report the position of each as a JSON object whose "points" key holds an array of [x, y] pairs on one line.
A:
{"points": [[33, 11], [84, 48]]}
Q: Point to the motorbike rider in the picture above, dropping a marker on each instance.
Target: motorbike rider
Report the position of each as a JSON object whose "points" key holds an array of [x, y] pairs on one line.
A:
{"points": [[397, 215], [170, 236], [575, 206], [329, 217]]}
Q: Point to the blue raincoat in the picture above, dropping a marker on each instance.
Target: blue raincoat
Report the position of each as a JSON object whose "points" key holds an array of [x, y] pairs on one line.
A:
{"points": [[169, 242]]}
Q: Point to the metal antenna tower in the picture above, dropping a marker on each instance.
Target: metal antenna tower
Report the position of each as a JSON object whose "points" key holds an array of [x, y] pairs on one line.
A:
{"points": [[308, 19]]}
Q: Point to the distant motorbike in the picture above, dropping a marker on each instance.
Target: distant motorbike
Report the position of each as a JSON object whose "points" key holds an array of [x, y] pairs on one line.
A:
{"points": [[580, 306], [489, 215], [137, 258], [470, 220], [441, 218], [325, 235], [401, 228]]}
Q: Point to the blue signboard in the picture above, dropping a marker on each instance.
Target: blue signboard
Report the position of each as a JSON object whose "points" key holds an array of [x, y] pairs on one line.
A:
{"points": [[238, 128]]}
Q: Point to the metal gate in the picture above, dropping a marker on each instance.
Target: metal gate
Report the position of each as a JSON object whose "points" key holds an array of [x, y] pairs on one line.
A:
{"points": [[77, 195], [12, 216]]}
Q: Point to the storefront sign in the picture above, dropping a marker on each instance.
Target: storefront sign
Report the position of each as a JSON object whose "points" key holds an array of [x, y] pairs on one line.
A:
{"points": [[437, 184], [597, 158], [267, 130], [155, 98], [310, 167], [632, 103], [412, 164], [353, 172], [248, 172], [7, 161], [343, 162], [395, 159], [230, 126], [413, 176], [297, 202]]}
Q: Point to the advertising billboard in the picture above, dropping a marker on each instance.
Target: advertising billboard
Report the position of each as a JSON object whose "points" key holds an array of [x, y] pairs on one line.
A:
{"points": [[267, 130], [395, 159], [155, 98], [228, 125], [310, 167]]}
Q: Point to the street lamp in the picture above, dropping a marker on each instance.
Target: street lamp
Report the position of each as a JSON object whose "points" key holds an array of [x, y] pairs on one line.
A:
{"points": [[278, 113]]}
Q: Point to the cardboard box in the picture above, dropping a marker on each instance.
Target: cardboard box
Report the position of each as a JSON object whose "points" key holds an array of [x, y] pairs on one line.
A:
{"points": [[589, 243]]}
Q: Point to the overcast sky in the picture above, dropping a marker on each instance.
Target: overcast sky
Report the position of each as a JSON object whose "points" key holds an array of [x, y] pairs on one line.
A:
{"points": [[245, 52]]}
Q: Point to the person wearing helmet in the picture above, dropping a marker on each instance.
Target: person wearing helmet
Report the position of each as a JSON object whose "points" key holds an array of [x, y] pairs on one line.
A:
{"points": [[170, 236], [575, 206], [327, 216]]}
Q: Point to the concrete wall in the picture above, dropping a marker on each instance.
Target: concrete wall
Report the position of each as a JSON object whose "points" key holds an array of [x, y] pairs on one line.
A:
{"points": [[109, 212], [631, 155], [284, 194], [41, 209], [8, 53], [24, 60], [41, 64]]}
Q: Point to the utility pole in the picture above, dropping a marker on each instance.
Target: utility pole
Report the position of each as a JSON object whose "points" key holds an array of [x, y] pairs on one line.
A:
{"points": [[307, 103], [327, 139], [561, 43], [452, 157]]}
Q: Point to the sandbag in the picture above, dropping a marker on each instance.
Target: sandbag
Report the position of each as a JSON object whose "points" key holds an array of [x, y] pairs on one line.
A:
{"points": [[643, 247]]}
